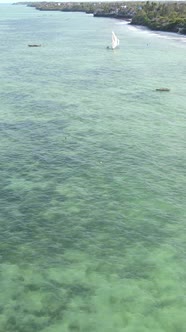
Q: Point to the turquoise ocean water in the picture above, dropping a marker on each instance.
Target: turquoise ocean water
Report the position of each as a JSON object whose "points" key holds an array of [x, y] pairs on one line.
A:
{"points": [[92, 175]]}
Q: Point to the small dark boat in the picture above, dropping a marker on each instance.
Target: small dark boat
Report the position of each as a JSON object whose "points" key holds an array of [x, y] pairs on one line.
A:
{"points": [[163, 89], [34, 45]]}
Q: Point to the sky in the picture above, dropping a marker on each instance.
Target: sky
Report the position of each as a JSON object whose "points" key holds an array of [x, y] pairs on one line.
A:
{"points": [[13, 1]]}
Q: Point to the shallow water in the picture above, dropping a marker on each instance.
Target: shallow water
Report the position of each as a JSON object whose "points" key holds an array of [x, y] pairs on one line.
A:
{"points": [[92, 185]]}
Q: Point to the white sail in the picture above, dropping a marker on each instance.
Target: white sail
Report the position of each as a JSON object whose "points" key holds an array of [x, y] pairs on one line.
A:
{"points": [[115, 41]]}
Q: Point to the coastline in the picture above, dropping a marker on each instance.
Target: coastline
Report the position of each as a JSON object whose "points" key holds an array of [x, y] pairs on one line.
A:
{"points": [[157, 16]]}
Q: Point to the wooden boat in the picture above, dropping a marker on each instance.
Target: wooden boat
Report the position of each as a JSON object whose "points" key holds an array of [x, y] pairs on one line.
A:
{"points": [[34, 45], [163, 89]]}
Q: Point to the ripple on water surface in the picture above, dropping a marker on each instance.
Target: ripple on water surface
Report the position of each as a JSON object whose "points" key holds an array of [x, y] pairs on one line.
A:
{"points": [[92, 178]]}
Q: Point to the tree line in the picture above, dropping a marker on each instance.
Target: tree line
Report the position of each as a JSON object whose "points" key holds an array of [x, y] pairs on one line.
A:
{"points": [[163, 16]]}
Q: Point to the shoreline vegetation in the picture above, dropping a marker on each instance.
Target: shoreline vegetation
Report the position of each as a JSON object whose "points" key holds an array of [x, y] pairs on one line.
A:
{"points": [[159, 16]]}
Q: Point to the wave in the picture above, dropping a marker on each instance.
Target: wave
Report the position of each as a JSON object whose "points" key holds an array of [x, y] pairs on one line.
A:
{"points": [[159, 34]]}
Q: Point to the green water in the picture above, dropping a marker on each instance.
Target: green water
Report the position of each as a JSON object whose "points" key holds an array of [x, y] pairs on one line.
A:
{"points": [[92, 176]]}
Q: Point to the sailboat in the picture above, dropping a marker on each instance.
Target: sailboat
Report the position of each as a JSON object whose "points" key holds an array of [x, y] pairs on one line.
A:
{"points": [[115, 41]]}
